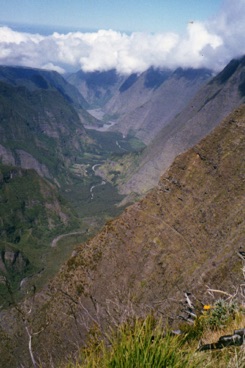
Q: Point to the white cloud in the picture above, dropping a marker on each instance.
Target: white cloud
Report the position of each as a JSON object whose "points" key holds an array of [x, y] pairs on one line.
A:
{"points": [[211, 44], [229, 24], [51, 66]]}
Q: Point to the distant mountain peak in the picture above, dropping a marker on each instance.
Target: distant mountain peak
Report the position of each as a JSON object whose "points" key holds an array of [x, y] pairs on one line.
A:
{"points": [[229, 70], [192, 73], [154, 77]]}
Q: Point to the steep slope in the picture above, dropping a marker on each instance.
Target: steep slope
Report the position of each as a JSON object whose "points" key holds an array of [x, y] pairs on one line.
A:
{"points": [[32, 213], [146, 106], [139, 104], [135, 91], [34, 79], [37, 126], [50, 81], [211, 104], [183, 236], [97, 87], [40, 137]]}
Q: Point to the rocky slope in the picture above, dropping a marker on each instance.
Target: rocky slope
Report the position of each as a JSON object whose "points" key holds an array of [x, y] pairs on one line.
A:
{"points": [[136, 90], [156, 96], [211, 104], [184, 235]]}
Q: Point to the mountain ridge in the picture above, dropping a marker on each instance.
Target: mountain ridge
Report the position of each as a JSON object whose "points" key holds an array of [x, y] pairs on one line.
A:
{"points": [[38, 117], [33, 78], [210, 105], [147, 107], [141, 103], [97, 87]]}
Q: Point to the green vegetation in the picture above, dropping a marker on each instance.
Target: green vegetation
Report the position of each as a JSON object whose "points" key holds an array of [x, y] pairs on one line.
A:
{"points": [[143, 343], [42, 124], [41, 129], [103, 203], [137, 344], [114, 143], [106, 148], [32, 213], [221, 314]]}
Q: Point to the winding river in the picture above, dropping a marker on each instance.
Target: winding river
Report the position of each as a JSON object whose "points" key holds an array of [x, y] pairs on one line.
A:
{"points": [[96, 185]]}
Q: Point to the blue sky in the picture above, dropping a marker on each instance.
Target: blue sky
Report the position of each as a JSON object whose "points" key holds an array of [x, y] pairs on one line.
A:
{"points": [[130, 36], [120, 15]]}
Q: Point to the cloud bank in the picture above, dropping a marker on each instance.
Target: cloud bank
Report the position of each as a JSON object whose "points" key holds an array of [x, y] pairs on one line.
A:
{"points": [[211, 44]]}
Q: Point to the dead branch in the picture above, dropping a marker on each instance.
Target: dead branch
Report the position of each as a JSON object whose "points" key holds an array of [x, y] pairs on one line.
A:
{"points": [[188, 301], [30, 347], [211, 291]]}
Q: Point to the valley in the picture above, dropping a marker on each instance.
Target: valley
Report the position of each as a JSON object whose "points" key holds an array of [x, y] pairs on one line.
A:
{"points": [[43, 143], [115, 190]]}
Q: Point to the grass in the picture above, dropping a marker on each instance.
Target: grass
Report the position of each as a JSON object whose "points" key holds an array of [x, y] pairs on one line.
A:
{"points": [[142, 343], [138, 344]]}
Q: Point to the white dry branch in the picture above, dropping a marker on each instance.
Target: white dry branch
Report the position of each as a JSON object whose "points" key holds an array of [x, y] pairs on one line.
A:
{"points": [[212, 291]]}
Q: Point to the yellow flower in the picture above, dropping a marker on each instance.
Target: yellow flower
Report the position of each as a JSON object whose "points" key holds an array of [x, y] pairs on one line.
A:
{"points": [[207, 307]]}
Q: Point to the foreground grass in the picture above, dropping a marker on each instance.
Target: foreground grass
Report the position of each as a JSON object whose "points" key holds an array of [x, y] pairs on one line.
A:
{"points": [[142, 344]]}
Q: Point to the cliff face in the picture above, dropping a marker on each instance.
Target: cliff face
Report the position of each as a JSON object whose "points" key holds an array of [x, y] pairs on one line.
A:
{"points": [[13, 260], [183, 236]]}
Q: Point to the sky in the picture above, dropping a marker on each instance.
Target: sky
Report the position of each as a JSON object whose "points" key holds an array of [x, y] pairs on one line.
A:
{"points": [[130, 36], [119, 15]]}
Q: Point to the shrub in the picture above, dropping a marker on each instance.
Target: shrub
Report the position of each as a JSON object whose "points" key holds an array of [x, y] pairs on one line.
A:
{"points": [[222, 313]]}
